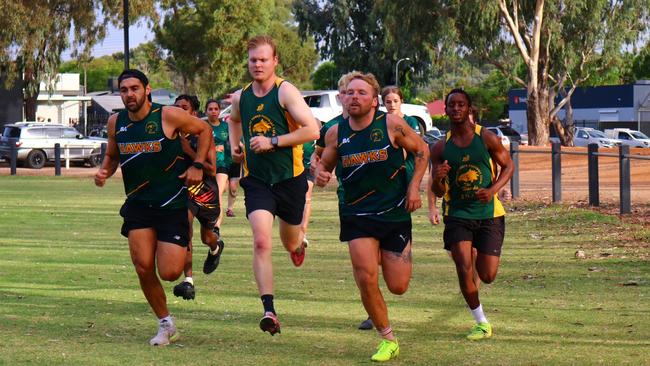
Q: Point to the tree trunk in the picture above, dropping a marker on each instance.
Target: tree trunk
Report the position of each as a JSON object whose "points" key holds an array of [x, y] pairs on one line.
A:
{"points": [[537, 120], [569, 126], [31, 96]]}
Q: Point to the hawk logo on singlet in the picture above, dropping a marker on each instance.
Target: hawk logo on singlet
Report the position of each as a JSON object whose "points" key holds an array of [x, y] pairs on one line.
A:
{"points": [[151, 127], [376, 135], [372, 156], [261, 126], [260, 107], [139, 147], [468, 179]]}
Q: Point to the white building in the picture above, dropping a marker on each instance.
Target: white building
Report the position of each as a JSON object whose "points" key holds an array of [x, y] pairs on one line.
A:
{"points": [[65, 105]]}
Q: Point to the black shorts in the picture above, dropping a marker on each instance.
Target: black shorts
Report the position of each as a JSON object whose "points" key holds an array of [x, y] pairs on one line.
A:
{"points": [[285, 199], [222, 170], [309, 176], [170, 225], [205, 205], [392, 236], [234, 171], [486, 235]]}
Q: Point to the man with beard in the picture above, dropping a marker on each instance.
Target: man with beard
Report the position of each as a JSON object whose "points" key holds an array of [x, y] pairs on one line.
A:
{"points": [[369, 149], [144, 141]]}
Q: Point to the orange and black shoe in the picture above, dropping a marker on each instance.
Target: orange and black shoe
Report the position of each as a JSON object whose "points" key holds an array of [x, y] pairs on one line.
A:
{"points": [[269, 323]]}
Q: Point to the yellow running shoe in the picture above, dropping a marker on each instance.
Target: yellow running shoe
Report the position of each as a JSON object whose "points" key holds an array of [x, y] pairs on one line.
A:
{"points": [[480, 331], [387, 350]]}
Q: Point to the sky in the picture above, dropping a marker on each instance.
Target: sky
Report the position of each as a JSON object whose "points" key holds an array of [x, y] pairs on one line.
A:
{"points": [[114, 41]]}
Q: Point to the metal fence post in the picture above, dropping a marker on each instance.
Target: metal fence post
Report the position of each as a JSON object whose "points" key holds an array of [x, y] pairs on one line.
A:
{"points": [[556, 168], [624, 177], [592, 159], [57, 159], [13, 157], [102, 151], [514, 182]]}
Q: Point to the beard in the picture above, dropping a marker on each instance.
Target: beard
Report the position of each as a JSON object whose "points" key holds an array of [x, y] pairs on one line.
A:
{"points": [[133, 108]]}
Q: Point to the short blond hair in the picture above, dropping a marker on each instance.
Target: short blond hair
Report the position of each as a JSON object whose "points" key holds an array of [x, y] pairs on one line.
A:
{"points": [[345, 79], [262, 40], [368, 78]]}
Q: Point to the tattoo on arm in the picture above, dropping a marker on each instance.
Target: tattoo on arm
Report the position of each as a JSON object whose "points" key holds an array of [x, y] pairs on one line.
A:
{"points": [[400, 130], [419, 155]]}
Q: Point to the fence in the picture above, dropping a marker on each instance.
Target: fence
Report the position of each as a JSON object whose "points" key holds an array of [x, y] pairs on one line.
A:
{"points": [[97, 157], [592, 154]]}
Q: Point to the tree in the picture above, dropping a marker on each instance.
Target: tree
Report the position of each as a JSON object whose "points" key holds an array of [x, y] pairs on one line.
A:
{"points": [[37, 32], [373, 35], [560, 42], [206, 42], [326, 76]]}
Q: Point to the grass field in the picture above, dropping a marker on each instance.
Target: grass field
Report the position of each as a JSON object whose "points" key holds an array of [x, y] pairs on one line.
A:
{"points": [[69, 294]]}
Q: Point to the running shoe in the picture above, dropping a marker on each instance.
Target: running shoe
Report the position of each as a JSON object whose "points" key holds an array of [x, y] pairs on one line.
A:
{"points": [[305, 242], [212, 260], [184, 290], [480, 331], [166, 334], [366, 324], [269, 323], [298, 256], [387, 350], [230, 213]]}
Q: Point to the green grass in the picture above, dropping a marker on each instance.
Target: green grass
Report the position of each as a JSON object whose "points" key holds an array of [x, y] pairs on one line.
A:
{"points": [[69, 294]]}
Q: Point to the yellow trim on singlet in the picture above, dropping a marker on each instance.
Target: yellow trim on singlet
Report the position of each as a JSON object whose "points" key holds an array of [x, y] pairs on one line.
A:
{"points": [[296, 150]]}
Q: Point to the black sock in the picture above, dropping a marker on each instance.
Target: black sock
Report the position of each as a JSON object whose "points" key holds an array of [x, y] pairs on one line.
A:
{"points": [[267, 301]]}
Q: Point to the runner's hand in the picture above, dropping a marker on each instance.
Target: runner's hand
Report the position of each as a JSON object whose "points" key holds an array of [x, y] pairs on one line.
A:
{"points": [[413, 199], [100, 177], [192, 176]]}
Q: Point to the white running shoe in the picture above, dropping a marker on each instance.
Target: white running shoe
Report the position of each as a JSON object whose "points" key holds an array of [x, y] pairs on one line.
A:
{"points": [[166, 334]]}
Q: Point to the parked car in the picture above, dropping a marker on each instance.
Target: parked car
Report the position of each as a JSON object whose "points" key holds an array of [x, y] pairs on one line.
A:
{"points": [[35, 143], [629, 137], [584, 136], [325, 105], [505, 141]]}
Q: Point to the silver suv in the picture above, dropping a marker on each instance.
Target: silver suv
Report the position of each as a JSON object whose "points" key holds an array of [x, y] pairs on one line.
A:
{"points": [[35, 144]]}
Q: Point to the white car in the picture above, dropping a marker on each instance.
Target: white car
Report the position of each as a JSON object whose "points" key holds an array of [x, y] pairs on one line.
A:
{"points": [[629, 137], [585, 136], [325, 105], [505, 141]]}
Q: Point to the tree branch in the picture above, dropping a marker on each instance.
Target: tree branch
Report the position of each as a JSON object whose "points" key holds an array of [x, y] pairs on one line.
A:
{"points": [[504, 70], [514, 30]]}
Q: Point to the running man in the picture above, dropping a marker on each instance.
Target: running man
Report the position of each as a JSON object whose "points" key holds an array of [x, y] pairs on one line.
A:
{"points": [[144, 141], [463, 173], [375, 213], [203, 204], [275, 121]]}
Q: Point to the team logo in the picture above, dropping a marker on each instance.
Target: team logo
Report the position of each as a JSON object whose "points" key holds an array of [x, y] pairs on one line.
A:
{"points": [[151, 127], [261, 126], [260, 107], [469, 179], [465, 158], [376, 135]]}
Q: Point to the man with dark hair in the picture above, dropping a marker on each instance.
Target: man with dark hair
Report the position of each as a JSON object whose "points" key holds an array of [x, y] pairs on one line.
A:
{"points": [[203, 204], [369, 150], [463, 172], [144, 141], [275, 121]]}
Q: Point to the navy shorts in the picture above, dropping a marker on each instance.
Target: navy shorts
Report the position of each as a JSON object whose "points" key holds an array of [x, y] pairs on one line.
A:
{"points": [[171, 225], [486, 235], [222, 170], [392, 236], [284, 199], [234, 171]]}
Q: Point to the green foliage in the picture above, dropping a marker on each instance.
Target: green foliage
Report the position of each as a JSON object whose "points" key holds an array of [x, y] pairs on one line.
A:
{"points": [[206, 41], [97, 71], [326, 76]]}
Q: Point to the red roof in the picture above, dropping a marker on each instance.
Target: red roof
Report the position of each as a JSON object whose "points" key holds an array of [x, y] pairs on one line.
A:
{"points": [[436, 108]]}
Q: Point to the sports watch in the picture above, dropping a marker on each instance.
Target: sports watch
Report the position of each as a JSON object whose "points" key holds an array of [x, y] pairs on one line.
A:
{"points": [[274, 141], [197, 165]]}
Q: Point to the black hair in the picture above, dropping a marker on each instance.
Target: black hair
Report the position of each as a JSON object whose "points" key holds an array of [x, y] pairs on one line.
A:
{"points": [[194, 101], [212, 101], [133, 73], [459, 91]]}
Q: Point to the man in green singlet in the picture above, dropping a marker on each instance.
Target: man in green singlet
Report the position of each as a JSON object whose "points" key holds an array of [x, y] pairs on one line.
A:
{"points": [[463, 173], [275, 121], [144, 142], [369, 150]]}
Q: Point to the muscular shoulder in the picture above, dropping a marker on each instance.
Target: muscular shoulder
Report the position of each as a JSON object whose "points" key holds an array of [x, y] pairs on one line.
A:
{"points": [[436, 149], [110, 124], [288, 93]]}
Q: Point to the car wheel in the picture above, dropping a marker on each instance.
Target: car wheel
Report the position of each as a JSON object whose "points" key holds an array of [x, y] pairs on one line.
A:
{"points": [[423, 127], [35, 159], [95, 159]]}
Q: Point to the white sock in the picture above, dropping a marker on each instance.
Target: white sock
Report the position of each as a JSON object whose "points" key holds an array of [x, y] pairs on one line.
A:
{"points": [[215, 251], [168, 319], [189, 279], [478, 314]]}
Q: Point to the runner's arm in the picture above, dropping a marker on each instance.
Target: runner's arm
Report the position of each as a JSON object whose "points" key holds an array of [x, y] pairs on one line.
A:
{"points": [[111, 158]]}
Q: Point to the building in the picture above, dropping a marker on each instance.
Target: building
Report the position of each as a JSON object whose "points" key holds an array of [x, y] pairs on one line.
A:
{"points": [[612, 106], [64, 104]]}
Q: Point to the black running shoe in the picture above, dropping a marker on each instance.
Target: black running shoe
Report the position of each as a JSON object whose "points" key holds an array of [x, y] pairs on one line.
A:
{"points": [[184, 290], [366, 324], [269, 323], [212, 260]]}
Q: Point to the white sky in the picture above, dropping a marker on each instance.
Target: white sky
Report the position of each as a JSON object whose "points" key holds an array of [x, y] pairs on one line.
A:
{"points": [[114, 41]]}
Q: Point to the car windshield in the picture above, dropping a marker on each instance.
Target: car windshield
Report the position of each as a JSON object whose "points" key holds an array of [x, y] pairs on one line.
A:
{"points": [[596, 134], [639, 135], [11, 132], [508, 131]]}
